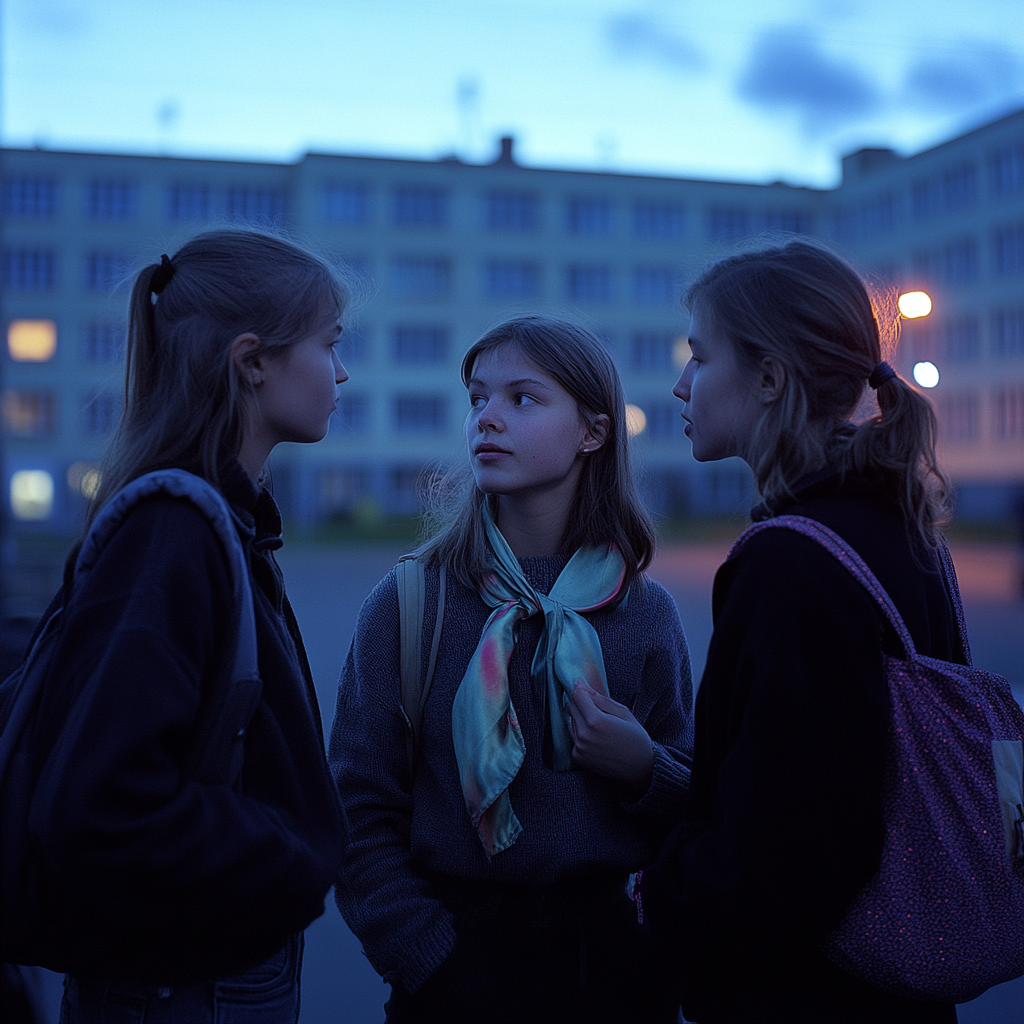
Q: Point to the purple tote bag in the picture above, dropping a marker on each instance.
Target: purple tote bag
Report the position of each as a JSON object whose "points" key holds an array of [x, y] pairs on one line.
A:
{"points": [[943, 918]]}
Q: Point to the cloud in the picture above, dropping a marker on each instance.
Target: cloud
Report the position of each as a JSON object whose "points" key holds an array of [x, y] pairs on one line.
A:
{"points": [[788, 70], [973, 73], [641, 37]]}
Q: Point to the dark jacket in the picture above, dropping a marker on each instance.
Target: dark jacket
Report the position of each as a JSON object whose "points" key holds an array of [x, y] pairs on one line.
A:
{"points": [[169, 880], [784, 821], [575, 824]]}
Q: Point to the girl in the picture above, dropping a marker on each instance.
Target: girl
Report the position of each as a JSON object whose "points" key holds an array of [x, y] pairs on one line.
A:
{"points": [[489, 884], [784, 817], [180, 888]]}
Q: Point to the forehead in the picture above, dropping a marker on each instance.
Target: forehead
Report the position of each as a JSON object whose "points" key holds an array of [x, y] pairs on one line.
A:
{"points": [[507, 363]]}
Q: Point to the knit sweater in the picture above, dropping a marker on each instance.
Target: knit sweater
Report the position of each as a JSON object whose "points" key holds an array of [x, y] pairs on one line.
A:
{"points": [[574, 823]]}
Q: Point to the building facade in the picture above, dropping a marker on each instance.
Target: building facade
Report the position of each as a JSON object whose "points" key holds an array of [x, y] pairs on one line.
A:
{"points": [[447, 249]]}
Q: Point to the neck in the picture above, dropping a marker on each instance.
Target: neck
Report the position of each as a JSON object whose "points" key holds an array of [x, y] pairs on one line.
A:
{"points": [[533, 523], [252, 454]]}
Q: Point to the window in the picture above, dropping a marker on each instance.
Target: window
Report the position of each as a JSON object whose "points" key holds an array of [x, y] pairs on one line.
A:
{"points": [[104, 271], [513, 211], [658, 220], [353, 413], [959, 187], [1008, 409], [588, 284], [800, 222], [29, 198], [654, 286], [871, 217], [415, 206], [254, 205], [29, 413], [188, 203], [420, 344], [588, 216], [30, 270], [100, 412], [1008, 332], [421, 413], [1008, 249], [422, 277], [727, 223], [354, 346], [652, 350], [961, 339], [31, 341], [345, 203], [958, 418], [104, 343], [31, 494], [1006, 170], [953, 264], [665, 421], [111, 200], [511, 279]]}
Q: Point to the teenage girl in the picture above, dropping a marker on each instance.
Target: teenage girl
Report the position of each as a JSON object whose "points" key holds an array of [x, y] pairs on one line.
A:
{"points": [[784, 818], [193, 897], [489, 884]]}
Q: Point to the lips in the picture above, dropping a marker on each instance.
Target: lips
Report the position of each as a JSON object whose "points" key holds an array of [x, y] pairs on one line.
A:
{"points": [[487, 448]]}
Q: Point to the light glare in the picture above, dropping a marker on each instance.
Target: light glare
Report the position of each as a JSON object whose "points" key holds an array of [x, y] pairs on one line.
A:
{"points": [[636, 420], [915, 304], [926, 374], [84, 479], [31, 494], [32, 341]]}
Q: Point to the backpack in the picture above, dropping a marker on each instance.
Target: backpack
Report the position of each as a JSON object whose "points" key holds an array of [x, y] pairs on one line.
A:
{"points": [[943, 918], [412, 592], [216, 754]]}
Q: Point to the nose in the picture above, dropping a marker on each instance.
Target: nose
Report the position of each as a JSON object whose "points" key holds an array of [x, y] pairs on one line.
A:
{"points": [[489, 419], [340, 373], [682, 386]]}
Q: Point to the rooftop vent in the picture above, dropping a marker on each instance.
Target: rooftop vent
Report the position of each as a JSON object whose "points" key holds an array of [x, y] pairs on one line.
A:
{"points": [[505, 155], [865, 161]]}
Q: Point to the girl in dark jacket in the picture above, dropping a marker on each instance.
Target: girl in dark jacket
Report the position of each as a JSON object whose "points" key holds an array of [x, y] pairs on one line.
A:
{"points": [[783, 823], [186, 901], [489, 884]]}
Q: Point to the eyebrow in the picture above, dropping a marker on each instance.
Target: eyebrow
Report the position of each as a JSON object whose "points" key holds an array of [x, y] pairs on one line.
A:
{"points": [[522, 381]]}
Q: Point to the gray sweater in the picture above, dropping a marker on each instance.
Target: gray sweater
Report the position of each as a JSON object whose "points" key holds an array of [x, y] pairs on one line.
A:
{"points": [[574, 822]]}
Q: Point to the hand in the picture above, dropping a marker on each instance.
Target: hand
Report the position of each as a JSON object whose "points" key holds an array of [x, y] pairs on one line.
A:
{"points": [[607, 739]]}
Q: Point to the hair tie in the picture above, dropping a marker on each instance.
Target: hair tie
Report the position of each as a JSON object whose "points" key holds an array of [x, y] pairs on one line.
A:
{"points": [[880, 374], [162, 275]]}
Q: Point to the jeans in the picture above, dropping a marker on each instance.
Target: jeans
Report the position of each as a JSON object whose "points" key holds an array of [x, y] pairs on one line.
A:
{"points": [[267, 994]]}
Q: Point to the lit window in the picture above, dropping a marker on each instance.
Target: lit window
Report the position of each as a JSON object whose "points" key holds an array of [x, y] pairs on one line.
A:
{"points": [[31, 494], [32, 341], [28, 413]]}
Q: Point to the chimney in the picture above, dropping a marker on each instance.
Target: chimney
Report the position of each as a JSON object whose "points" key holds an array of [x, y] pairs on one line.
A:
{"points": [[865, 161], [505, 157]]}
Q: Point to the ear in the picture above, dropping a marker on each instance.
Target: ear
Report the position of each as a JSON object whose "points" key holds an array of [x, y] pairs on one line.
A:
{"points": [[596, 433], [245, 354], [772, 380]]}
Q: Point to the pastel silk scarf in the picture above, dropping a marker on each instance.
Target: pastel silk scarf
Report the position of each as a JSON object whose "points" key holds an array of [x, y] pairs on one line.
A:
{"points": [[489, 743]]}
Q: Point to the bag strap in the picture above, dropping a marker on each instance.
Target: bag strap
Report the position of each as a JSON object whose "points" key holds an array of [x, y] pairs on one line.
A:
{"points": [[953, 592], [846, 556], [412, 591], [217, 751]]}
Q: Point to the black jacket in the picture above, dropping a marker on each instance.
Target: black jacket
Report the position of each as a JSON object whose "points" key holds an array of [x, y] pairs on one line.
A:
{"points": [[167, 880], [783, 822]]}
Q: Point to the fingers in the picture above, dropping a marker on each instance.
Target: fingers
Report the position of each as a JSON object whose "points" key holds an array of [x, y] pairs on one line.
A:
{"points": [[599, 702]]}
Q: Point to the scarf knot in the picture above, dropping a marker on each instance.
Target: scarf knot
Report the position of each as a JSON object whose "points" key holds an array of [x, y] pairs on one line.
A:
{"points": [[489, 745]]}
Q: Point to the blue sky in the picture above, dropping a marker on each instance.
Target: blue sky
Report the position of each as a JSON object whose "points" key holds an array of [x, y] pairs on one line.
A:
{"points": [[740, 91]]}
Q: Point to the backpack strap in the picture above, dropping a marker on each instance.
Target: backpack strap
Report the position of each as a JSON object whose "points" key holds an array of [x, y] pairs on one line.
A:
{"points": [[217, 751], [412, 589], [846, 556], [953, 592]]}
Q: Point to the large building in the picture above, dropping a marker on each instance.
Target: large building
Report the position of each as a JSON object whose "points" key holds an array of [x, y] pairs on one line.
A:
{"points": [[446, 249]]}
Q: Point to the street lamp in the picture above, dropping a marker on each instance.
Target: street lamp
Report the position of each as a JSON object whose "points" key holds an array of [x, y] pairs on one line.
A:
{"points": [[913, 306]]}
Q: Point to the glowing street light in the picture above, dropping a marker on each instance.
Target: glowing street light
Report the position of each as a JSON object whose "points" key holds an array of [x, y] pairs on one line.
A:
{"points": [[636, 420], [926, 374], [914, 305]]}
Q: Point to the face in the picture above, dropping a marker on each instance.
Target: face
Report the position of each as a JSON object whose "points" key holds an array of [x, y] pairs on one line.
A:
{"points": [[299, 390], [721, 406], [524, 431]]}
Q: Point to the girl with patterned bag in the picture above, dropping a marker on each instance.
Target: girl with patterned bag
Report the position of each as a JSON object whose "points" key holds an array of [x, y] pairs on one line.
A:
{"points": [[486, 877]]}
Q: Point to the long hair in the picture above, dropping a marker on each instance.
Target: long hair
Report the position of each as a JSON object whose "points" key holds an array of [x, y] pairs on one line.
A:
{"points": [[806, 307], [185, 403], [606, 508]]}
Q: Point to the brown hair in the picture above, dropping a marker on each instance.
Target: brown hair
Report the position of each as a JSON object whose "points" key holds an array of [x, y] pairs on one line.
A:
{"points": [[185, 404], [606, 508], [805, 306]]}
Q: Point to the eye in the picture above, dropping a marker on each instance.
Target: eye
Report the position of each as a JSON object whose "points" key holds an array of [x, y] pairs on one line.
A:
{"points": [[524, 399], [477, 401]]}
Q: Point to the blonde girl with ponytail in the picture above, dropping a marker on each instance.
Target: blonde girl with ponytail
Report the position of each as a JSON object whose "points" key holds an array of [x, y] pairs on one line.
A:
{"points": [[784, 817]]}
